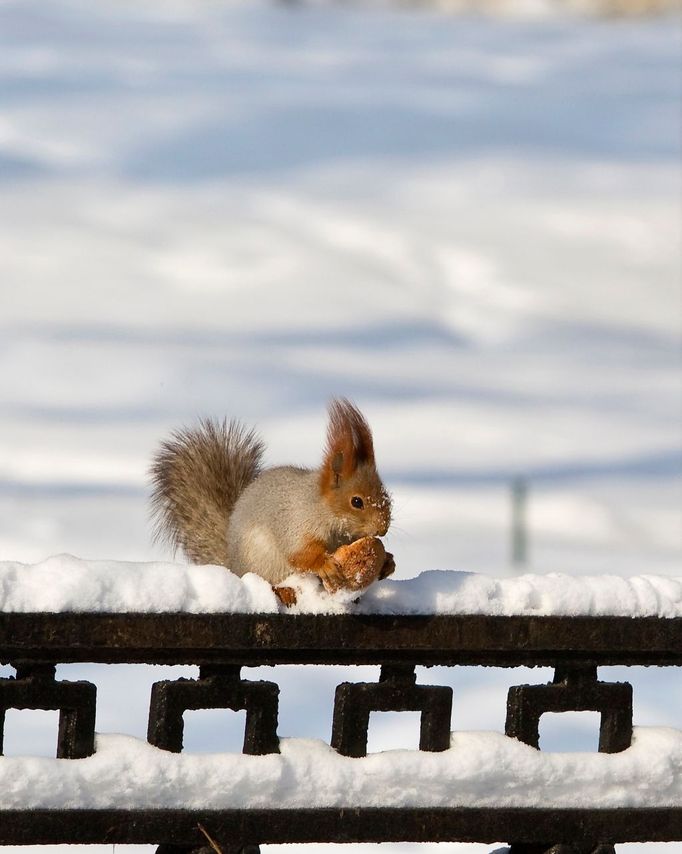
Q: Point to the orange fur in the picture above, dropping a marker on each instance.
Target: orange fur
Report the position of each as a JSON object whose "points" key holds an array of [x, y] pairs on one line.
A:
{"points": [[286, 595], [349, 445], [311, 557]]}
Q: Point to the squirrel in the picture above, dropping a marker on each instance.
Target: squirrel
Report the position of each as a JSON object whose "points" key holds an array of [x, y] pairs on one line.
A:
{"points": [[213, 499]]}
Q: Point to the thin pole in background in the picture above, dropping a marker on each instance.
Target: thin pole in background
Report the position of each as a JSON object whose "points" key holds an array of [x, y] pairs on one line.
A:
{"points": [[519, 525]]}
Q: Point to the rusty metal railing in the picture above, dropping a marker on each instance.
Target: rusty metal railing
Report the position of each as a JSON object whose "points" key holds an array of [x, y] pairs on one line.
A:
{"points": [[224, 644]]}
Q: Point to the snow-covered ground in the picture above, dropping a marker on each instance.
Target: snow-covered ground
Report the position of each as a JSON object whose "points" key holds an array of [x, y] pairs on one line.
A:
{"points": [[468, 225]]}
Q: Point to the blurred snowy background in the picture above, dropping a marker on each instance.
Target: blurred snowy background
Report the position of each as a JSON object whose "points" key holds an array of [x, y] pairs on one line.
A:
{"points": [[468, 224]]}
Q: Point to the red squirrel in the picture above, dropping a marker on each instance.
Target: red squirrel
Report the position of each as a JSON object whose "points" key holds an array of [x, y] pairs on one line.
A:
{"points": [[212, 498]]}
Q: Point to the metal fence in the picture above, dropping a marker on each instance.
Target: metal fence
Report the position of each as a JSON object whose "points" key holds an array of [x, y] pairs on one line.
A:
{"points": [[222, 645]]}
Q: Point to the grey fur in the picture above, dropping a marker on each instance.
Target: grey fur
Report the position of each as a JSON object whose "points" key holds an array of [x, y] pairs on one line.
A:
{"points": [[274, 516], [197, 477]]}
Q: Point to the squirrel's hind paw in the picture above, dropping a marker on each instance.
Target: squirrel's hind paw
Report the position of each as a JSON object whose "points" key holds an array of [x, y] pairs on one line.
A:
{"points": [[286, 595]]}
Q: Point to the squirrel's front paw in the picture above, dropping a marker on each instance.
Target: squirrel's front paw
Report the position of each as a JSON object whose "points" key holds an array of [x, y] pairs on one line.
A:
{"points": [[389, 566], [331, 575]]}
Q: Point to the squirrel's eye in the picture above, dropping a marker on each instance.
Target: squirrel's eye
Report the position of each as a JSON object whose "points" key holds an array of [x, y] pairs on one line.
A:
{"points": [[357, 502]]}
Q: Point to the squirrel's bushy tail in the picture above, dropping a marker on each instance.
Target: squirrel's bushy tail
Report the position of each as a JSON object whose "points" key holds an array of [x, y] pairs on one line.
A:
{"points": [[197, 476]]}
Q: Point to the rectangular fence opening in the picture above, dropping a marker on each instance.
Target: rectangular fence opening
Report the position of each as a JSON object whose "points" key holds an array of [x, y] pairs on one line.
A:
{"points": [[213, 731], [31, 732], [570, 732], [393, 731]]}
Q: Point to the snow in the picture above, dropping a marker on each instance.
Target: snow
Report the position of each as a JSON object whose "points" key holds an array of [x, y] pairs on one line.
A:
{"points": [[65, 583], [479, 769], [553, 594], [468, 225]]}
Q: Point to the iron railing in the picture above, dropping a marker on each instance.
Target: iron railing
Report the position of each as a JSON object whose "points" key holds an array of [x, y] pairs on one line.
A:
{"points": [[223, 644]]}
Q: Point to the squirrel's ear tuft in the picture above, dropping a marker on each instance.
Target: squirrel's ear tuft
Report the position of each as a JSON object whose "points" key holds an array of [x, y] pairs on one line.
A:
{"points": [[349, 443]]}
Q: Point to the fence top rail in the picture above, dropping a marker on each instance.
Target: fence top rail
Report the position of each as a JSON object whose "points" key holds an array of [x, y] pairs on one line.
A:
{"points": [[253, 639]]}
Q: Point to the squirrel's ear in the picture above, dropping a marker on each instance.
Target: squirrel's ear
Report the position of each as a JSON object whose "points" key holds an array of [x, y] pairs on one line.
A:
{"points": [[362, 435], [349, 443]]}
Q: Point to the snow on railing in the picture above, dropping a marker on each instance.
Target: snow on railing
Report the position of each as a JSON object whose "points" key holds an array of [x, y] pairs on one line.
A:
{"points": [[66, 583], [467, 786]]}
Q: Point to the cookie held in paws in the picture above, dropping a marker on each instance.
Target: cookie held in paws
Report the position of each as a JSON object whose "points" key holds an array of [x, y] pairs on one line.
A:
{"points": [[359, 564], [362, 562]]}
